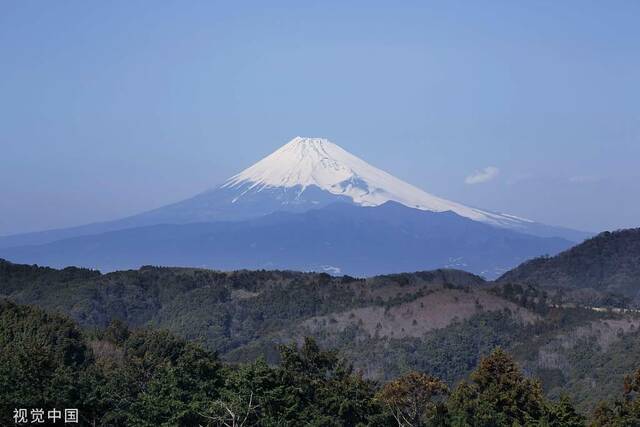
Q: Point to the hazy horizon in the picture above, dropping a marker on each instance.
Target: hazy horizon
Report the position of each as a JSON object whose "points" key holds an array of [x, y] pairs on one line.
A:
{"points": [[113, 109]]}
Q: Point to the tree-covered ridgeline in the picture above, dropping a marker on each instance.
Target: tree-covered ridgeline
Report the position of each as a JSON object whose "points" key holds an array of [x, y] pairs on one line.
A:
{"points": [[143, 377], [439, 322], [608, 262]]}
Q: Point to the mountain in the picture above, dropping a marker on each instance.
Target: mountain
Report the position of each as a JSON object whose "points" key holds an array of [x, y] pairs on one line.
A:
{"points": [[339, 238], [608, 262], [304, 174]]}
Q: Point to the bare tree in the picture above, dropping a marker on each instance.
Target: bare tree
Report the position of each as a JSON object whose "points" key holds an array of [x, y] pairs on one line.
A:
{"points": [[232, 413]]}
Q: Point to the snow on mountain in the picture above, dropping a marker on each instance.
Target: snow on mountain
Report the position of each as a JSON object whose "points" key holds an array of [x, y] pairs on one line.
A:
{"points": [[307, 162]]}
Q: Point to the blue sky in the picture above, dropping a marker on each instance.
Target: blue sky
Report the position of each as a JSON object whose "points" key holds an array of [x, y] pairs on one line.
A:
{"points": [[112, 108]]}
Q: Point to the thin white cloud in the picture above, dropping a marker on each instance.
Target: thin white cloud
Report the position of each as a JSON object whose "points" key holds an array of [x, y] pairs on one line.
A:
{"points": [[518, 178], [484, 175], [584, 179]]}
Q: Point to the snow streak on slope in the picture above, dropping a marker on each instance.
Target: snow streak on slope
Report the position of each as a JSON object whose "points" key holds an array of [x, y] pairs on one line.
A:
{"points": [[306, 162]]}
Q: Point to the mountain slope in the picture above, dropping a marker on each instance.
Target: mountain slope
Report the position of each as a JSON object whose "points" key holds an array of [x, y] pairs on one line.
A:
{"points": [[304, 174], [608, 262], [339, 238]]}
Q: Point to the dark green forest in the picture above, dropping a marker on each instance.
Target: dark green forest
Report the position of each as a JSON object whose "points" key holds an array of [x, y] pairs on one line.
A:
{"points": [[440, 323], [145, 377], [186, 346]]}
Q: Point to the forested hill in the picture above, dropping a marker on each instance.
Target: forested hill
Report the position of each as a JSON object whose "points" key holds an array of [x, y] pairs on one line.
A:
{"points": [[226, 310], [119, 377], [440, 322], [608, 262]]}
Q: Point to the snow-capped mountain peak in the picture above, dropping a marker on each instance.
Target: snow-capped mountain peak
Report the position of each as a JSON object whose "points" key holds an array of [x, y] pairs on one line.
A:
{"points": [[305, 162], [300, 162]]}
